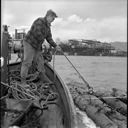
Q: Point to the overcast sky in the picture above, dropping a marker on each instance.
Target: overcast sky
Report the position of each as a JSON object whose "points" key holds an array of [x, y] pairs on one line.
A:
{"points": [[104, 20]]}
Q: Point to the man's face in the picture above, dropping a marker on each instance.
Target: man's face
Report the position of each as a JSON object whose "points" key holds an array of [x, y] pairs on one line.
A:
{"points": [[50, 18]]}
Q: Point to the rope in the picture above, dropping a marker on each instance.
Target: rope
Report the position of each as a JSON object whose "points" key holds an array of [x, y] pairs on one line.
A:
{"points": [[15, 77], [90, 89], [3, 97], [21, 96], [46, 100], [34, 98], [19, 92]]}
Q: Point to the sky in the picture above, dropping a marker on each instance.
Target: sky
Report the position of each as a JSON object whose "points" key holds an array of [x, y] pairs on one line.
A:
{"points": [[102, 20]]}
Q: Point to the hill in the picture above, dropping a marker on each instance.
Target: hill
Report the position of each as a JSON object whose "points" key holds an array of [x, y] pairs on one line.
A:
{"points": [[120, 45]]}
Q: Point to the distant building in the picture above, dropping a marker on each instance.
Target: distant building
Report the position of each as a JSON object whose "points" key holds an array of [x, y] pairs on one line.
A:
{"points": [[19, 35], [74, 42], [92, 43], [113, 51]]}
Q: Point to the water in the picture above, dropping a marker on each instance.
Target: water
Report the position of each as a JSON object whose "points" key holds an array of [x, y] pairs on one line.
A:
{"points": [[98, 71]]}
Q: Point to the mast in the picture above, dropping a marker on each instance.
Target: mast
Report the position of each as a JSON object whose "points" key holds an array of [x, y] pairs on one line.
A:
{"points": [[4, 53]]}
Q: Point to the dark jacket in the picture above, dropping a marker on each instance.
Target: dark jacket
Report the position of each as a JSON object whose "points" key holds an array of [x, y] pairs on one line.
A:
{"points": [[39, 31]]}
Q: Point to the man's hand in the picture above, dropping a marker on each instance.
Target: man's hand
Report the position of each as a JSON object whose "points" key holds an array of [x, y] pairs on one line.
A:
{"points": [[58, 48]]}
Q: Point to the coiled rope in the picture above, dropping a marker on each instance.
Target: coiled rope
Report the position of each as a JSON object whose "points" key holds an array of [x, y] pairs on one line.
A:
{"points": [[26, 93], [35, 92], [15, 84]]}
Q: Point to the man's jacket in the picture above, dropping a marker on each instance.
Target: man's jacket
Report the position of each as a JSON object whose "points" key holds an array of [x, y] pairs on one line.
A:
{"points": [[39, 31]]}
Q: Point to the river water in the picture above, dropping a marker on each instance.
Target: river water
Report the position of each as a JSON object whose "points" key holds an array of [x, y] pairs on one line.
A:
{"points": [[98, 71]]}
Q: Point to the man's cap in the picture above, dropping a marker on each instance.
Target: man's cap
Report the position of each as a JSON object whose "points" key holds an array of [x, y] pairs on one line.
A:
{"points": [[51, 12]]}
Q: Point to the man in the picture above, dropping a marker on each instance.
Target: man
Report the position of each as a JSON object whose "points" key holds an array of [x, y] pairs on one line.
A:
{"points": [[39, 31]]}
